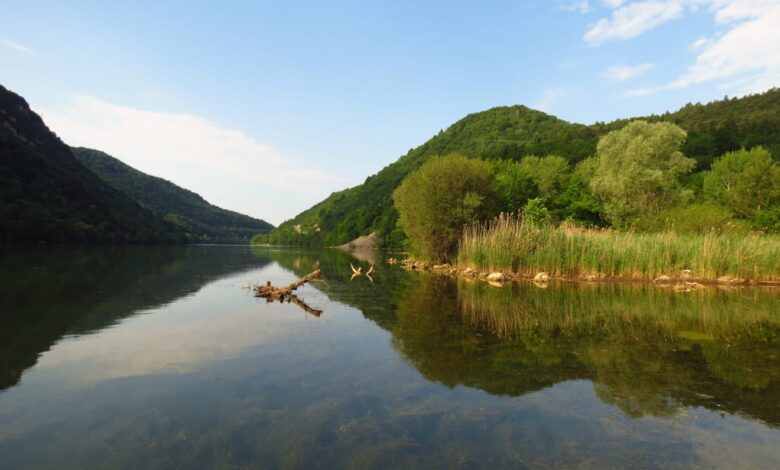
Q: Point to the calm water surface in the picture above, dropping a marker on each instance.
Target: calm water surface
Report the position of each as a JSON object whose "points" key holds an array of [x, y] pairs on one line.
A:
{"points": [[161, 358]]}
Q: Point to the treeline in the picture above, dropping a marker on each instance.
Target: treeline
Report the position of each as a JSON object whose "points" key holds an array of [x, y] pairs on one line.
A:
{"points": [[509, 135], [187, 211], [521, 216]]}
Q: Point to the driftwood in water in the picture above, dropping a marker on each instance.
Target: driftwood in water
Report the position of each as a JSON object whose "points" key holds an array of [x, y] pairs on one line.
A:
{"points": [[302, 304], [283, 293]]}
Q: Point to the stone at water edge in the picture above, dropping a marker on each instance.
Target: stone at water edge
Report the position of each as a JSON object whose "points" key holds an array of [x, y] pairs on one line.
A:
{"points": [[496, 277], [730, 280], [541, 277], [663, 279]]}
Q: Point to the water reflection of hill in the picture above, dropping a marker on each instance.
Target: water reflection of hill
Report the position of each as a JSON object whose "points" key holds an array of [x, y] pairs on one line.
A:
{"points": [[647, 350], [47, 293]]}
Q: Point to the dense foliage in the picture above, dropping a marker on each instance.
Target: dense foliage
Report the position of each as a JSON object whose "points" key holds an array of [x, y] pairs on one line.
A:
{"points": [[436, 201], [47, 195], [190, 213], [638, 170], [513, 134], [745, 181]]}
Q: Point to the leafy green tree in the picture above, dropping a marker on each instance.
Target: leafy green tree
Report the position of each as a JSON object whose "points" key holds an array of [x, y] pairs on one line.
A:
{"points": [[514, 184], [767, 220], [745, 181], [577, 202], [638, 170], [437, 200], [550, 173], [535, 212]]}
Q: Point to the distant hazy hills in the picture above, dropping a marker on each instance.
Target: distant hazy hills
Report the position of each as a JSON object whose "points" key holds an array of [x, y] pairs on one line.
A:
{"points": [[47, 194], [185, 209], [517, 131]]}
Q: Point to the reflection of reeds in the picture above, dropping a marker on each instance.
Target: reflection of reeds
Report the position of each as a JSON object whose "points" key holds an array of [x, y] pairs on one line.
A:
{"points": [[628, 310], [509, 243]]}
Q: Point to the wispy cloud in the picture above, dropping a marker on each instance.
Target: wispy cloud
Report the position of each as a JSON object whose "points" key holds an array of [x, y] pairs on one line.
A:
{"points": [[550, 96], [613, 3], [194, 153], [580, 6], [633, 19], [621, 73], [746, 57], [18, 47]]}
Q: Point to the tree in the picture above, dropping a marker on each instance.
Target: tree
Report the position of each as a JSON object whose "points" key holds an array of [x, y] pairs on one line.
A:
{"points": [[535, 212], [549, 173], [638, 170], [437, 200], [514, 184], [577, 202], [745, 181]]}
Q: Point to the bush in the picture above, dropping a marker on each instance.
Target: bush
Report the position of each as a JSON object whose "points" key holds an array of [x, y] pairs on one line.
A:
{"points": [[699, 218], [535, 212], [745, 181], [437, 200]]}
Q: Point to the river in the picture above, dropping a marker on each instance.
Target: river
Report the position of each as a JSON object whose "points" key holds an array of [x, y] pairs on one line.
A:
{"points": [[161, 357]]}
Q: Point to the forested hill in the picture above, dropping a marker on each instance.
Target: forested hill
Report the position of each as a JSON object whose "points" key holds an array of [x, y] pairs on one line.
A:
{"points": [[201, 221], [517, 131], [47, 195]]}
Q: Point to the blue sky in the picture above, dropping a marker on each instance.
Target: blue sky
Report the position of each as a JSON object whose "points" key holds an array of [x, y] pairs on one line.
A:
{"points": [[267, 107]]}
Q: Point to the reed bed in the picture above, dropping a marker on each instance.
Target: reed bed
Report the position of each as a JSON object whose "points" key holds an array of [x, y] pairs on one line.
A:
{"points": [[509, 243]]}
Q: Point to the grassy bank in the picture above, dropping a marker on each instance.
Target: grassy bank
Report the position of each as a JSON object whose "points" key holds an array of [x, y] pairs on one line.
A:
{"points": [[509, 244]]}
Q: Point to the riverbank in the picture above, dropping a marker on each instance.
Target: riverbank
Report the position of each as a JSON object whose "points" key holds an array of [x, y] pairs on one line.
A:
{"points": [[683, 281], [508, 248]]}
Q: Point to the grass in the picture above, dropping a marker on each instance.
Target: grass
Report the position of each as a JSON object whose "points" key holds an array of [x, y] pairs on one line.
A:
{"points": [[509, 244]]}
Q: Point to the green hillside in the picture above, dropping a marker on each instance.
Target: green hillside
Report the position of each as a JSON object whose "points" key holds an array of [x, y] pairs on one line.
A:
{"points": [[201, 221], [47, 195], [517, 131]]}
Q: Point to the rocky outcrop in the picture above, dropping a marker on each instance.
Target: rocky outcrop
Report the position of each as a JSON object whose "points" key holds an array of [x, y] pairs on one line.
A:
{"points": [[371, 241]]}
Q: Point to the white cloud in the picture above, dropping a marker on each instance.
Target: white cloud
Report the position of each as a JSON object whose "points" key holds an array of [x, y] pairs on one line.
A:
{"points": [[747, 55], [225, 166], [620, 73], [613, 3], [18, 47], [699, 43], [633, 19], [751, 47], [550, 96], [727, 11], [581, 6]]}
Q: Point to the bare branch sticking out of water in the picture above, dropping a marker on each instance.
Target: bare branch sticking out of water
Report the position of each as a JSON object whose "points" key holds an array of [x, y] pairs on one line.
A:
{"points": [[282, 294]]}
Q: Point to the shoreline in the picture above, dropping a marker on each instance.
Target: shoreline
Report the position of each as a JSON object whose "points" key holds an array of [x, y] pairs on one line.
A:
{"points": [[684, 281]]}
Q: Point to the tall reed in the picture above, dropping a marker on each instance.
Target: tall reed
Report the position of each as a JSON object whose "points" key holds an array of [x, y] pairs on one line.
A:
{"points": [[509, 243]]}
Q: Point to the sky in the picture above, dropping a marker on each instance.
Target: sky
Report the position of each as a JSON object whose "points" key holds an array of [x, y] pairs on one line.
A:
{"points": [[265, 108]]}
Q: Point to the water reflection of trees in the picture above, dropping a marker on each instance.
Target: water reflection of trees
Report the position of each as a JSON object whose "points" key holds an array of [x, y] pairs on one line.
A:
{"points": [[648, 351]]}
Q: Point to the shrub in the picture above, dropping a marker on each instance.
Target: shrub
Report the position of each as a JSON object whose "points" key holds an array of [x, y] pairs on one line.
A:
{"points": [[437, 200]]}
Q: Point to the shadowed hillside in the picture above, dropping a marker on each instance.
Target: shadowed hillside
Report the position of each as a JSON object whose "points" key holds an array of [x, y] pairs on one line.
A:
{"points": [[188, 211], [47, 195]]}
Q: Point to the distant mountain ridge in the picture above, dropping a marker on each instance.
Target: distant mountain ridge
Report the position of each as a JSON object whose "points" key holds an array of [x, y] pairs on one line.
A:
{"points": [[47, 195], [188, 211], [517, 131]]}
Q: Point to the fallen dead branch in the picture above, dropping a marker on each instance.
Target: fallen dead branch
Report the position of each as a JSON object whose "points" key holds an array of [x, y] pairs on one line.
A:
{"points": [[283, 293]]}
